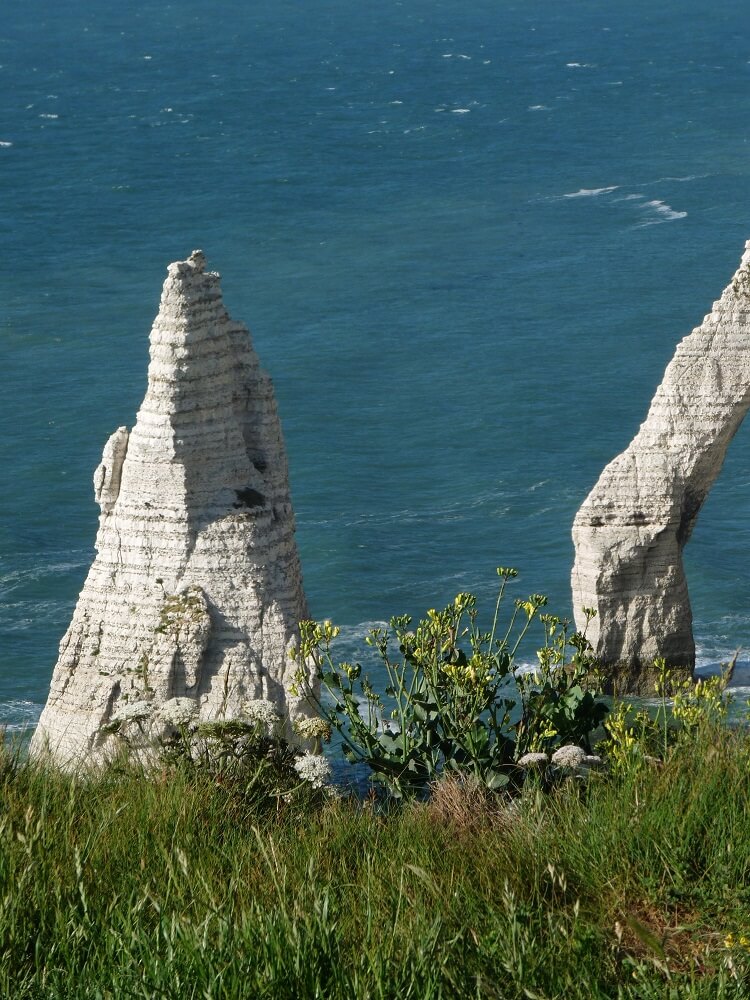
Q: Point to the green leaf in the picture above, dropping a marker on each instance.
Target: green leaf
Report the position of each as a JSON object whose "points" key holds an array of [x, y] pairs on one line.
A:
{"points": [[646, 936], [574, 695], [424, 710], [390, 742], [496, 780]]}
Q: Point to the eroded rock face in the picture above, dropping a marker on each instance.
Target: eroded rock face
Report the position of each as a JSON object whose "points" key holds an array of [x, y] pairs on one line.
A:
{"points": [[631, 530], [196, 589]]}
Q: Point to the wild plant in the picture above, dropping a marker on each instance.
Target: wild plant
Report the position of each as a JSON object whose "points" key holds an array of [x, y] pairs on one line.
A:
{"points": [[703, 703], [248, 757], [558, 704], [454, 701], [631, 736], [686, 708]]}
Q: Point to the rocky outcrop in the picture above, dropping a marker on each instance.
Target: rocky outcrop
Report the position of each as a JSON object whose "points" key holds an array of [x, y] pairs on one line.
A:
{"points": [[196, 589], [631, 530]]}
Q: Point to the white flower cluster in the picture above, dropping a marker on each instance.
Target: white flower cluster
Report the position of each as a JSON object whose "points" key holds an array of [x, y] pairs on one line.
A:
{"points": [[313, 729], [262, 712], [313, 769], [178, 712], [136, 711]]}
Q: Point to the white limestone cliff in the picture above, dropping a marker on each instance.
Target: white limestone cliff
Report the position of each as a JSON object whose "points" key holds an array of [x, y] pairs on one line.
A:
{"points": [[196, 588], [631, 530]]}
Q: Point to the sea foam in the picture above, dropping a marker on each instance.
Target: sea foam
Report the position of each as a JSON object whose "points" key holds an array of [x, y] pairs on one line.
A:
{"points": [[16, 715], [660, 212], [591, 192]]}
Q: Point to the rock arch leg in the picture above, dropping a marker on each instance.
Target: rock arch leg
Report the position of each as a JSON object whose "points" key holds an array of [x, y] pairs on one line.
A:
{"points": [[631, 529]]}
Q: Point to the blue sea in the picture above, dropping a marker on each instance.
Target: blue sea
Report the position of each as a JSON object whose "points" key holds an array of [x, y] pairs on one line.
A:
{"points": [[466, 238]]}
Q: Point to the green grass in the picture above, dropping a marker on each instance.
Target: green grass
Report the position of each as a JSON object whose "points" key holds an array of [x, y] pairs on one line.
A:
{"points": [[170, 885]]}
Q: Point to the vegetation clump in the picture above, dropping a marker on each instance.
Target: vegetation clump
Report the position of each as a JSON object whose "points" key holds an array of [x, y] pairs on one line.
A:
{"points": [[227, 869], [455, 701], [187, 882]]}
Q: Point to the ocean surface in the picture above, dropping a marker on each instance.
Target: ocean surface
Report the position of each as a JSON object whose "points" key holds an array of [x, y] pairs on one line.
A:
{"points": [[466, 238]]}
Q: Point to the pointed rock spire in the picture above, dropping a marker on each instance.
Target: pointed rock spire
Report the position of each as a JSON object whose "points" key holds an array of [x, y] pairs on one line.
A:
{"points": [[196, 588], [631, 530]]}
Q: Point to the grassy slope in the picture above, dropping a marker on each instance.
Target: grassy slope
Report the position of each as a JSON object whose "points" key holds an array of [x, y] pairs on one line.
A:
{"points": [[169, 887]]}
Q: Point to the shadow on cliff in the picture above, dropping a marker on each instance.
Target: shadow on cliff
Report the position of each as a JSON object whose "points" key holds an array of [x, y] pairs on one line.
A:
{"points": [[233, 662]]}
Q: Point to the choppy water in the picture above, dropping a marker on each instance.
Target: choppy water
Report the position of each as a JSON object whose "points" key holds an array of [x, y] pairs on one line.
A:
{"points": [[466, 241]]}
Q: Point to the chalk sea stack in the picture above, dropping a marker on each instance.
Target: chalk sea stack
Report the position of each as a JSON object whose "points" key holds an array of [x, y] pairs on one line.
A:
{"points": [[196, 588], [631, 530]]}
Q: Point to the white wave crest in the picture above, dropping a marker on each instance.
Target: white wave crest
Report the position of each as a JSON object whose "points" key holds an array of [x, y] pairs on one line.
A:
{"points": [[591, 192], [681, 180], [659, 211]]}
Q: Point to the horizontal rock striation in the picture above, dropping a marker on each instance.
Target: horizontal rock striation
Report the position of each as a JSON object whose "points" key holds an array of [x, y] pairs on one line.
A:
{"points": [[631, 530], [196, 588]]}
